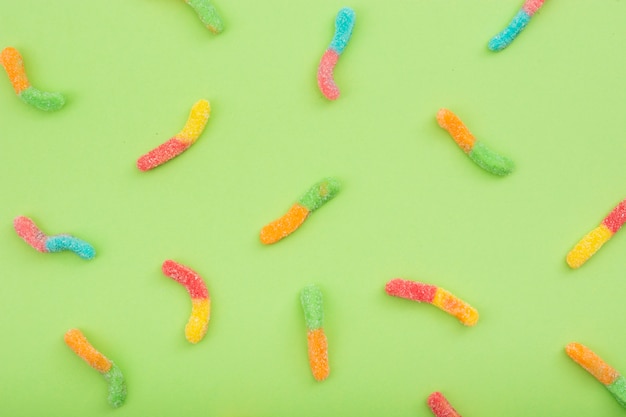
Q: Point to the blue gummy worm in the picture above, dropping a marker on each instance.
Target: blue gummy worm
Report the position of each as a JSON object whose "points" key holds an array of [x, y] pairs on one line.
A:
{"points": [[504, 38], [343, 29], [60, 243]]}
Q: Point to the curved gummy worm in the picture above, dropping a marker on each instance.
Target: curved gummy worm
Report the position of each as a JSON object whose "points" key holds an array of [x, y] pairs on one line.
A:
{"points": [[425, 293], [13, 64], [477, 152], [196, 122], [113, 375], [200, 301], [207, 14], [344, 23], [594, 240], [609, 377], [313, 306], [519, 22], [440, 406], [28, 230], [313, 199]]}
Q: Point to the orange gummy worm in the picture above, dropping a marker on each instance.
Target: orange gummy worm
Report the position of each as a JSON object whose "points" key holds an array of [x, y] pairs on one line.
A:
{"points": [[12, 62], [284, 226], [318, 354], [459, 132], [75, 339], [586, 358]]}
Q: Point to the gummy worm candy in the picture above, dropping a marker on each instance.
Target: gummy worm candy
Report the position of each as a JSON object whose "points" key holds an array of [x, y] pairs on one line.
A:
{"points": [[424, 293], [594, 240], [440, 406], [312, 303], [344, 23], [313, 199], [207, 14], [75, 339], [181, 142], [609, 377], [519, 22], [13, 64], [479, 153], [200, 301], [28, 230]]}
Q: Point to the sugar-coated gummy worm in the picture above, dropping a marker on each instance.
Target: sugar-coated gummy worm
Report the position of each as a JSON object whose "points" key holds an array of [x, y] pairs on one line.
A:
{"points": [[425, 293], [609, 377], [75, 339], [594, 240], [313, 199], [28, 230], [313, 305], [200, 301], [344, 23], [13, 64], [440, 406], [476, 150], [196, 122], [207, 14], [519, 22]]}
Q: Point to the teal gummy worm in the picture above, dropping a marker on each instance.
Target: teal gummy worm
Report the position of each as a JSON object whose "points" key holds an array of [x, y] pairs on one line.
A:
{"points": [[519, 22]]}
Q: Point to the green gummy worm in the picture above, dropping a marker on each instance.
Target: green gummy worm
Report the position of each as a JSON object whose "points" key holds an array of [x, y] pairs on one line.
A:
{"points": [[490, 161], [313, 304], [320, 193], [42, 99], [117, 386], [207, 14]]}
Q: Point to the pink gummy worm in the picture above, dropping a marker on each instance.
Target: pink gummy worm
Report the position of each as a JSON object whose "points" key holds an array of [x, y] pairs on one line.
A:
{"points": [[440, 406], [162, 154], [186, 276], [616, 218], [28, 230], [531, 6], [412, 290], [325, 78]]}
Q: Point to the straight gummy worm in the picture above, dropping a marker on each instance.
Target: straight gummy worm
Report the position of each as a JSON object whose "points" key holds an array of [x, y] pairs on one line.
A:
{"points": [[425, 293], [519, 22], [592, 363], [313, 305], [313, 199], [13, 64], [477, 152], [593, 241], [196, 122], [440, 406], [207, 14], [112, 374], [28, 230], [200, 301], [344, 23]]}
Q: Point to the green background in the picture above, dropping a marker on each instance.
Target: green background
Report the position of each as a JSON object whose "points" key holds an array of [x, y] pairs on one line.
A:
{"points": [[412, 206]]}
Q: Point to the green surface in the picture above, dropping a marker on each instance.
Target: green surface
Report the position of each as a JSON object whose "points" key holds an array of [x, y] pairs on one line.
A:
{"points": [[411, 206]]}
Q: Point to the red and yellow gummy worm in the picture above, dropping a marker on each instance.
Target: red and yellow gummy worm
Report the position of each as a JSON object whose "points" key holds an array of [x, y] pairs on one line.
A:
{"points": [[609, 377], [425, 293], [200, 302], [76, 341], [313, 305], [594, 240], [196, 122]]}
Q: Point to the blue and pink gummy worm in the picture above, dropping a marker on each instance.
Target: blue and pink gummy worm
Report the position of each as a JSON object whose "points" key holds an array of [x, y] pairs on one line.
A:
{"points": [[519, 22]]}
